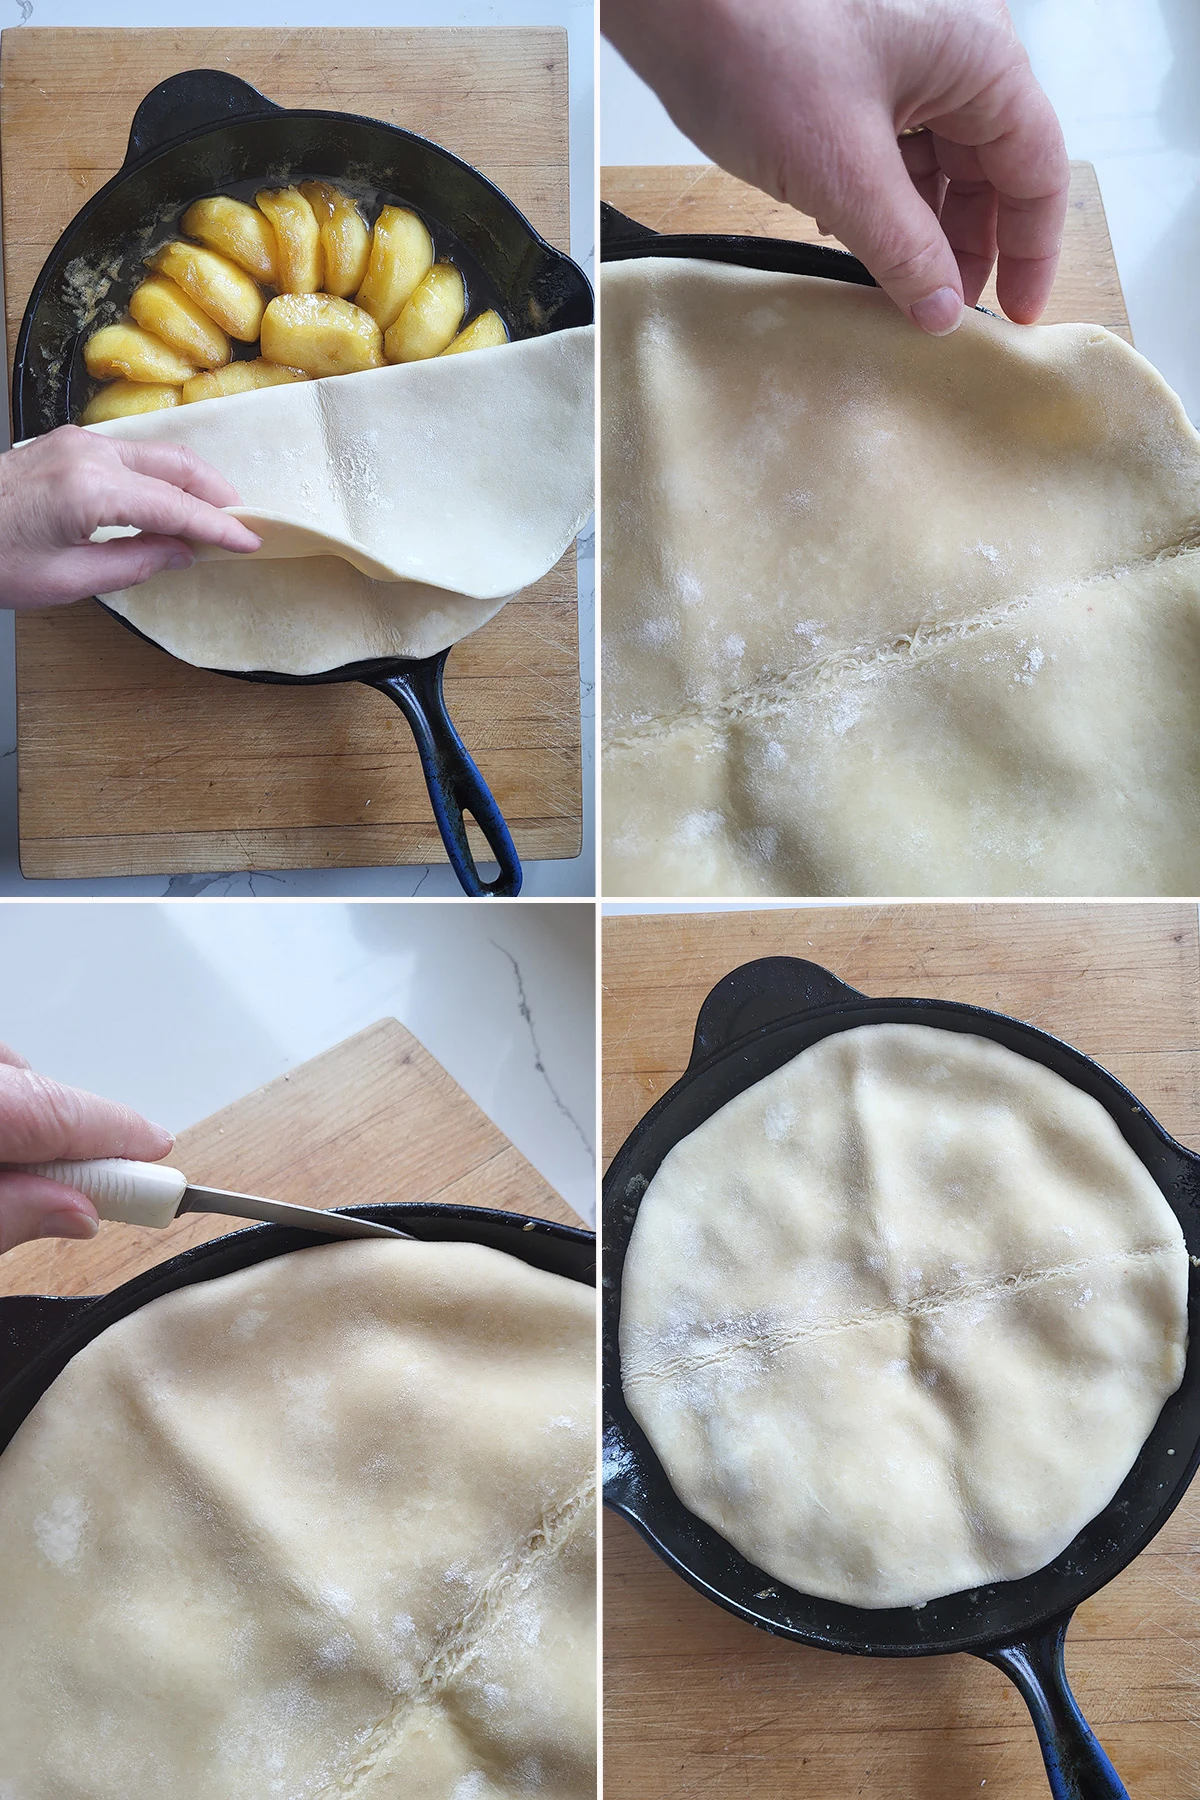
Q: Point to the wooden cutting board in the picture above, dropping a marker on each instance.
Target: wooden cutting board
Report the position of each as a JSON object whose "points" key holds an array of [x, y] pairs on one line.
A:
{"points": [[374, 1119], [690, 198], [698, 1703], [133, 764]]}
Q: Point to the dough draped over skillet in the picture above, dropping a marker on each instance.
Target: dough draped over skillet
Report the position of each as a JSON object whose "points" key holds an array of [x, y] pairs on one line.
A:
{"points": [[321, 1528], [399, 507], [898, 1318], [885, 613]]}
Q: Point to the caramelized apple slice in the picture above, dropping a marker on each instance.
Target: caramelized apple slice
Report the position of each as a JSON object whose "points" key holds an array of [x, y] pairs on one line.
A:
{"points": [[401, 257], [219, 288], [297, 239], [238, 231], [121, 399], [321, 334], [161, 306], [483, 333], [136, 354], [428, 323], [239, 378], [345, 240]]}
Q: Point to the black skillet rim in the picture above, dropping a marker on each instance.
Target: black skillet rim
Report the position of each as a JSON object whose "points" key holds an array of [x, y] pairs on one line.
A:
{"points": [[566, 1250], [270, 109], [623, 239], [943, 1625]]}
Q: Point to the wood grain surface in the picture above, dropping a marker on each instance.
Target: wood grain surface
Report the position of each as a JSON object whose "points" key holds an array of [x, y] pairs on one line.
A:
{"points": [[374, 1119], [698, 1703], [687, 197], [131, 763]]}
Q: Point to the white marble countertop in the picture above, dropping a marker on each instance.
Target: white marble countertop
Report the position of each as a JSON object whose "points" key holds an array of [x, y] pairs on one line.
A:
{"points": [[1124, 77], [178, 1010], [576, 876]]}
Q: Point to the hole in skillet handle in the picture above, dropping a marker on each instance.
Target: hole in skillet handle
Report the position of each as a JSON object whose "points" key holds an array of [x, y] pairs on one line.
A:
{"points": [[1076, 1764], [455, 785]]}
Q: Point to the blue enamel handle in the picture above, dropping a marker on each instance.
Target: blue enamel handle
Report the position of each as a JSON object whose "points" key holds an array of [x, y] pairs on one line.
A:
{"points": [[1074, 1758], [455, 784]]}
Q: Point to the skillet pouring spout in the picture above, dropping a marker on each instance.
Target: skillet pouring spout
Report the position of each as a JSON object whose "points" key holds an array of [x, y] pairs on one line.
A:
{"points": [[1074, 1757]]}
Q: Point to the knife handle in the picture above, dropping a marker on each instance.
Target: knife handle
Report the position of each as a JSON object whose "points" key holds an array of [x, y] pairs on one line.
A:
{"points": [[136, 1193]]}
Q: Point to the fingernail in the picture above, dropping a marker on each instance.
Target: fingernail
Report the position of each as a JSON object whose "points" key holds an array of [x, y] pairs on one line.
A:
{"points": [[938, 313], [70, 1224], [180, 559]]}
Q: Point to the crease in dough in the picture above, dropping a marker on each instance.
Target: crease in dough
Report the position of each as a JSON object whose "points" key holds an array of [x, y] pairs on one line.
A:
{"points": [[441, 488], [775, 692], [463, 1643], [765, 1337]]}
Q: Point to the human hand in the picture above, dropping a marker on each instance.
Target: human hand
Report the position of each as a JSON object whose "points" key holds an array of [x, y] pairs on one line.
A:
{"points": [[59, 489], [43, 1122], [807, 100]]}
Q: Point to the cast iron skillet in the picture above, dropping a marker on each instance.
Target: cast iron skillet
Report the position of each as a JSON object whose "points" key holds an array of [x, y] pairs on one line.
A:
{"points": [[757, 1018], [40, 1333], [204, 132]]}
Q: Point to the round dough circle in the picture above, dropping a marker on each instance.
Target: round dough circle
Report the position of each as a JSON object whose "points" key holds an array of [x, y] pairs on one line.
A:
{"points": [[321, 1526], [898, 1318], [399, 508]]}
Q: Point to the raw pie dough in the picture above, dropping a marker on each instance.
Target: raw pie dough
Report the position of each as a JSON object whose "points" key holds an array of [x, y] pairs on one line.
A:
{"points": [[418, 499], [890, 614], [321, 1528], [898, 1319]]}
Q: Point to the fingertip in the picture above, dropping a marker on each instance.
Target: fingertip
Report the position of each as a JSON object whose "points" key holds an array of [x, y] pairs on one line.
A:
{"points": [[161, 1141], [938, 313], [79, 1222]]}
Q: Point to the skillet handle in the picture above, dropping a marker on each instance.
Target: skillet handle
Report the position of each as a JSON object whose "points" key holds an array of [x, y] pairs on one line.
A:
{"points": [[455, 784], [1075, 1762], [760, 994], [188, 102]]}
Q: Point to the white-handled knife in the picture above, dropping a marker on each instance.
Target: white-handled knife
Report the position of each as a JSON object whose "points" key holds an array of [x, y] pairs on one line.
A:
{"points": [[139, 1193]]}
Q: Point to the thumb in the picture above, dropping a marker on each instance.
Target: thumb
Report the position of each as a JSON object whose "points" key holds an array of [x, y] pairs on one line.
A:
{"points": [[880, 216], [32, 1207], [123, 562], [89, 569]]}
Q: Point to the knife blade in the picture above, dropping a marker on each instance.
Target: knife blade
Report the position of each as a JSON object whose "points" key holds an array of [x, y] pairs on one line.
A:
{"points": [[138, 1193]]}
